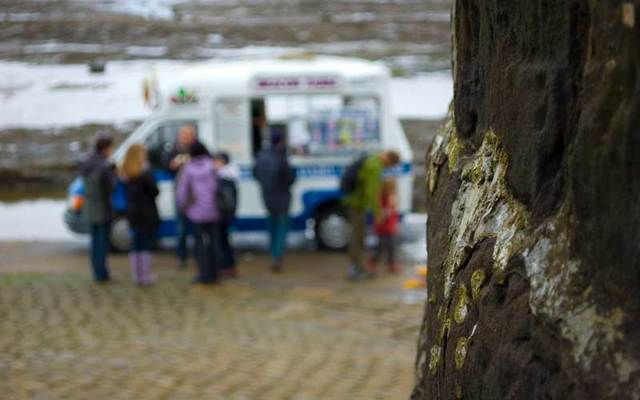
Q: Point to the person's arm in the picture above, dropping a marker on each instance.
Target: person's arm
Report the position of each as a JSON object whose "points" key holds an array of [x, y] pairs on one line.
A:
{"points": [[167, 158], [290, 173], [256, 168], [108, 180], [152, 187]]}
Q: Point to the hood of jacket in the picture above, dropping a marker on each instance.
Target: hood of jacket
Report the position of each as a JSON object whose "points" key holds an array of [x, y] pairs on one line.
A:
{"points": [[200, 166], [91, 164]]}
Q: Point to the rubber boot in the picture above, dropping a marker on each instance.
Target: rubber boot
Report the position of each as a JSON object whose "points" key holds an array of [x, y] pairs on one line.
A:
{"points": [[136, 270], [147, 275]]}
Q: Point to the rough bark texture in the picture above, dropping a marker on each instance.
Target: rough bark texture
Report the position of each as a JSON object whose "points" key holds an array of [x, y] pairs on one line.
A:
{"points": [[534, 206]]}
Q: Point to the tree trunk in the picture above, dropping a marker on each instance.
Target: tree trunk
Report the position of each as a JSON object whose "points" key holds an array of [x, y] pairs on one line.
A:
{"points": [[534, 206]]}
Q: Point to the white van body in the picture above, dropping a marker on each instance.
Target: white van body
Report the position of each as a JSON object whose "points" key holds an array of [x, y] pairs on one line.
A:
{"points": [[331, 109]]}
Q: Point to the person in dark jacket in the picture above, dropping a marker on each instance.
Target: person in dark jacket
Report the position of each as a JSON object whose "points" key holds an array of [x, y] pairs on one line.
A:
{"points": [[142, 211], [275, 176], [99, 181], [176, 159], [228, 176], [196, 197]]}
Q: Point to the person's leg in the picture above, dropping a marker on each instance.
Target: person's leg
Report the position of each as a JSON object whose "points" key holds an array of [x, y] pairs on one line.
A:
{"points": [[356, 247], [215, 253], [146, 246], [231, 253], [279, 239], [281, 235], [391, 254], [271, 230], [101, 272], [225, 247], [200, 250], [183, 225], [135, 256], [372, 262], [93, 248]]}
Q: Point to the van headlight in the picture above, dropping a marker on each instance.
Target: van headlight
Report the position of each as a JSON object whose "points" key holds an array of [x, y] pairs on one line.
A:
{"points": [[76, 202]]}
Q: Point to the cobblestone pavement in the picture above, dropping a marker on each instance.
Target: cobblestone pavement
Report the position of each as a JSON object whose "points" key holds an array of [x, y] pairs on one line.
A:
{"points": [[305, 334]]}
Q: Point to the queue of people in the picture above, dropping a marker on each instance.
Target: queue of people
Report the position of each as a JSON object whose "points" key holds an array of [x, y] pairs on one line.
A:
{"points": [[206, 198]]}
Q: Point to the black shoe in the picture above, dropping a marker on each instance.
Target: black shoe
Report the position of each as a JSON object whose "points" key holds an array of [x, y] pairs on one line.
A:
{"points": [[200, 281], [276, 267]]}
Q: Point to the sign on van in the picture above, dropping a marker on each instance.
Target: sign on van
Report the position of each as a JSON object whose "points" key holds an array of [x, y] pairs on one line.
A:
{"points": [[296, 83]]}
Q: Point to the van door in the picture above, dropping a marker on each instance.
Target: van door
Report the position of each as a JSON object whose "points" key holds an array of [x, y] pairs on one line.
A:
{"points": [[234, 135]]}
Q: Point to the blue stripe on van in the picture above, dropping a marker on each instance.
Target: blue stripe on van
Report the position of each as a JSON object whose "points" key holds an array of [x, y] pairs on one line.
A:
{"points": [[326, 171]]}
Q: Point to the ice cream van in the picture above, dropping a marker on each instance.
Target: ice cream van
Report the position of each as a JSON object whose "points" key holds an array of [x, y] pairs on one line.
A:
{"points": [[331, 110]]}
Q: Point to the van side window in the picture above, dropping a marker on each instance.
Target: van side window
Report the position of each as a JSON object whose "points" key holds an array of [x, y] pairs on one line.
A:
{"points": [[161, 141]]}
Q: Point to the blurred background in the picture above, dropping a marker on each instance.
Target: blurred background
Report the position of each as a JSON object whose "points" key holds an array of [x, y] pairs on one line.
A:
{"points": [[304, 335], [52, 104]]}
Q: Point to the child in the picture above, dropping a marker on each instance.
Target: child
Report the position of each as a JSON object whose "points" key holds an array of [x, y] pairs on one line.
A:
{"points": [[142, 212], [228, 176], [386, 228]]}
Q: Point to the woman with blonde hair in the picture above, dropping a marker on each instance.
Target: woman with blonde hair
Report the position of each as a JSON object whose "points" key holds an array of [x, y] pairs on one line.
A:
{"points": [[142, 212]]}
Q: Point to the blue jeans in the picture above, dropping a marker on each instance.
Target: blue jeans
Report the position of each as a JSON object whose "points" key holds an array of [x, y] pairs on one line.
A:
{"points": [[141, 240], [207, 250], [277, 225], [98, 251], [184, 227]]}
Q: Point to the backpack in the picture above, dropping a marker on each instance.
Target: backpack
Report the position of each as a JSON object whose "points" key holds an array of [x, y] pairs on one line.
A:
{"points": [[349, 179], [226, 199]]}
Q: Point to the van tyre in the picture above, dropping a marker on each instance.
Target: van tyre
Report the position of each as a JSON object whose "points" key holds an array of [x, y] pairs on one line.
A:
{"points": [[119, 235], [332, 228]]}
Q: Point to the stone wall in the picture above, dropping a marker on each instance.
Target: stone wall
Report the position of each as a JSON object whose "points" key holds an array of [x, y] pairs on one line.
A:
{"points": [[533, 194]]}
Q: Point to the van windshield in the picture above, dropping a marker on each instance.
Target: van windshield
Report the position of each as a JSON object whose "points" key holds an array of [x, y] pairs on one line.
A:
{"points": [[326, 124]]}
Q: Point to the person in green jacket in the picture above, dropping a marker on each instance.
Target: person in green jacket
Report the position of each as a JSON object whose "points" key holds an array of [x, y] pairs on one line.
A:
{"points": [[363, 199]]}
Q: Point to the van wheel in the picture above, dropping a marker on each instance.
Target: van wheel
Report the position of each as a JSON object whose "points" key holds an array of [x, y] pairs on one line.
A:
{"points": [[119, 236], [332, 228]]}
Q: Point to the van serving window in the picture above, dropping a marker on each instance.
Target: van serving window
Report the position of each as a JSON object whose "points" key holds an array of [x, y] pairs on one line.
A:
{"points": [[325, 124]]}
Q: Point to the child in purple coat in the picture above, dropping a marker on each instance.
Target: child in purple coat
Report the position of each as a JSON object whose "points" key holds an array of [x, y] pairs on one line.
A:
{"points": [[196, 197]]}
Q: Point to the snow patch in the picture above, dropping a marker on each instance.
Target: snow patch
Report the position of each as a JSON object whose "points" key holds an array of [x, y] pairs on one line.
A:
{"points": [[43, 96]]}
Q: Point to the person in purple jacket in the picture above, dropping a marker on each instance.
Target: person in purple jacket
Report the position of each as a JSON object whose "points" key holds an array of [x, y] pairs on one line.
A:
{"points": [[195, 195]]}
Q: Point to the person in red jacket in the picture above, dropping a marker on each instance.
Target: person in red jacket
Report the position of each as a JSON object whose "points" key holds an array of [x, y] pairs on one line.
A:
{"points": [[386, 228]]}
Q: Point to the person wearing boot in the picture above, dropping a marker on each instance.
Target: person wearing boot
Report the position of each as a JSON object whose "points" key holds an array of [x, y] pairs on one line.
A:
{"points": [[142, 212]]}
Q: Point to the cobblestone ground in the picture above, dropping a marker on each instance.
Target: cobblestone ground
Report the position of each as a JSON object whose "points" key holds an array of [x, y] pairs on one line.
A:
{"points": [[305, 334]]}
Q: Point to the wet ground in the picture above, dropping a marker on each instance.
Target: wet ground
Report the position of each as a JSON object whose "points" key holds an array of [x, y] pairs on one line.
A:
{"points": [[304, 334]]}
